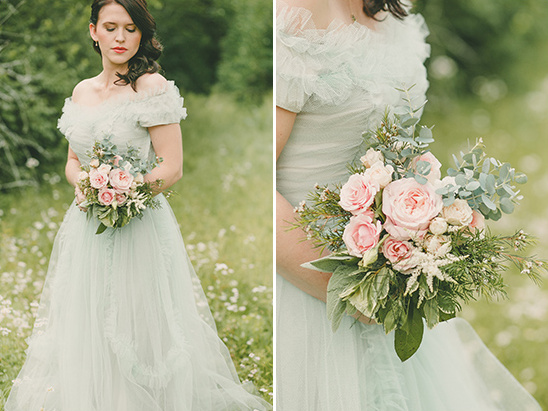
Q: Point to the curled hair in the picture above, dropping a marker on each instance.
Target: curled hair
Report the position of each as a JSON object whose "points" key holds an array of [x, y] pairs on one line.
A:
{"points": [[150, 49], [372, 7]]}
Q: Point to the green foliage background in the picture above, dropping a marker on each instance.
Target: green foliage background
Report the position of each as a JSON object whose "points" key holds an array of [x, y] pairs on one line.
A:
{"points": [[45, 50]]}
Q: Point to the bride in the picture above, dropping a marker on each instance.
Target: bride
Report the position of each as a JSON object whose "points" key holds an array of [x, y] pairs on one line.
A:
{"points": [[339, 63], [123, 324]]}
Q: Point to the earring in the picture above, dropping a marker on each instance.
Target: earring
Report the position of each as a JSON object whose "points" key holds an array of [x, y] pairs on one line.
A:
{"points": [[96, 44]]}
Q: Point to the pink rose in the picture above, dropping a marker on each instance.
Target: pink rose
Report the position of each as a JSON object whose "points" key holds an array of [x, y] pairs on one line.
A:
{"points": [[121, 198], [120, 180], [435, 166], [395, 250], [106, 196], [409, 207], [361, 234], [380, 174], [358, 193], [104, 169], [97, 179], [478, 220]]}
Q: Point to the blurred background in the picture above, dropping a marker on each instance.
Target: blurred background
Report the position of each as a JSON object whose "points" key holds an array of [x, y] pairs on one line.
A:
{"points": [[488, 75], [219, 54]]}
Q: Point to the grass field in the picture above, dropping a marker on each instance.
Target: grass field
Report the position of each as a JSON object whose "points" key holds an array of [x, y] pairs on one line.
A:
{"points": [[224, 208], [514, 130]]}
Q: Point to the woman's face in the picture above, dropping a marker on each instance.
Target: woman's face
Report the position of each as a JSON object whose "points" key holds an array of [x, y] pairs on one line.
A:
{"points": [[117, 35]]}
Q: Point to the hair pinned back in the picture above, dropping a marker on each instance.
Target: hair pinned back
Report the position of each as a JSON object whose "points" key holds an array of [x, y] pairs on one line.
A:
{"points": [[150, 49], [395, 7]]}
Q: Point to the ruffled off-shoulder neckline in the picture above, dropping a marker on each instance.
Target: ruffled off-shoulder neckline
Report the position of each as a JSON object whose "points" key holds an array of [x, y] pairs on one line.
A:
{"points": [[128, 98]]}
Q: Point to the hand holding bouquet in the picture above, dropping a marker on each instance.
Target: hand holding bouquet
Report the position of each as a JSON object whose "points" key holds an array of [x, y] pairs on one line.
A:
{"points": [[112, 187], [407, 245]]}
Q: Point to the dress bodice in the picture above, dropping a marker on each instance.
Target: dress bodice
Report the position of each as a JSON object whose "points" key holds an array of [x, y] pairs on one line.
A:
{"points": [[125, 119], [340, 80]]}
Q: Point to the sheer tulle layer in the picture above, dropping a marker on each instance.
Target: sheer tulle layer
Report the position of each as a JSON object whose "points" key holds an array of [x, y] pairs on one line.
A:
{"points": [[123, 325], [356, 368]]}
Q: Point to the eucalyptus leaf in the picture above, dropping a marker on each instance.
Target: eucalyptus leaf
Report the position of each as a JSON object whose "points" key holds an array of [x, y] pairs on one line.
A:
{"points": [[506, 205], [520, 178], [486, 166], [488, 202], [473, 185], [420, 179], [410, 121]]}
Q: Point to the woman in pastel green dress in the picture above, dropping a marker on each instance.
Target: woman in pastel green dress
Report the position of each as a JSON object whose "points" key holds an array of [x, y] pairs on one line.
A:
{"points": [[339, 63], [123, 324]]}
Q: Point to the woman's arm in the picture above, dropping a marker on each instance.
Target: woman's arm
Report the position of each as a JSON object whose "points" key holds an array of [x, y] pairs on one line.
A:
{"points": [[72, 168], [292, 248], [168, 145]]}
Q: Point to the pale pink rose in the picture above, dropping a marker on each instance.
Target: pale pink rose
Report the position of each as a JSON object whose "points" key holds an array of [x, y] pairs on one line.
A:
{"points": [[361, 234], [409, 207], [478, 221], [139, 179], [104, 169], [106, 196], [121, 180], [458, 213], [97, 179], [82, 175], [380, 174], [358, 193], [117, 159], [371, 157], [406, 265], [395, 250], [435, 166], [94, 163], [121, 198]]}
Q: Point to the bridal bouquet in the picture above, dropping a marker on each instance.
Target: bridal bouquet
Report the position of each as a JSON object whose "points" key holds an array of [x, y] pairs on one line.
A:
{"points": [[112, 187], [407, 245]]}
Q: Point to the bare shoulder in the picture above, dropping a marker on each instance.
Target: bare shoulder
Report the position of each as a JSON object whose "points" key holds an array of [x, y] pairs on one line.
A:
{"points": [[150, 81], [320, 9], [83, 90]]}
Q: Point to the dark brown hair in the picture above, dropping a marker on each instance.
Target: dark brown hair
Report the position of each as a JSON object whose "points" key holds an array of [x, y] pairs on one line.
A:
{"points": [[372, 7], [150, 49]]}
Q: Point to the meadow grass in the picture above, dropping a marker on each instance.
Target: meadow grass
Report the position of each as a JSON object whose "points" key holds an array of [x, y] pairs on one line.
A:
{"points": [[224, 207], [514, 130]]}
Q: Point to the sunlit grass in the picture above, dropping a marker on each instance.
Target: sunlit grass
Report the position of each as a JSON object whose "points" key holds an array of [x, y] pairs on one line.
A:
{"points": [[514, 130], [224, 208]]}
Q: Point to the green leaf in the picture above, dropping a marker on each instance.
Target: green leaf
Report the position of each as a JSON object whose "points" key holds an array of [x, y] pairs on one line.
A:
{"points": [[406, 343], [520, 178], [504, 171], [431, 312], [461, 180], [472, 185], [382, 282], [409, 121], [425, 135], [420, 179], [488, 202], [327, 264], [490, 184], [506, 205], [101, 229], [486, 166]]}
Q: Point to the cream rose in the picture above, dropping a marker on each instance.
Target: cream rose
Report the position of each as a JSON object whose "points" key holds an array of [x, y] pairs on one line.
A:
{"points": [[358, 193], [458, 213], [120, 180], [97, 179], [139, 179], [395, 250], [82, 175], [371, 157], [94, 163], [438, 226], [409, 207], [380, 174], [435, 166], [106, 196], [361, 234]]}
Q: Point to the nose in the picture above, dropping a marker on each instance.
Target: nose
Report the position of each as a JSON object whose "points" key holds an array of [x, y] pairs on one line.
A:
{"points": [[120, 37]]}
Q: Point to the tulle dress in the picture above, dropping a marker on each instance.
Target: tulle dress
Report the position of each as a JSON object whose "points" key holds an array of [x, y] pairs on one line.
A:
{"points": [[123, 324], [339, 80]]}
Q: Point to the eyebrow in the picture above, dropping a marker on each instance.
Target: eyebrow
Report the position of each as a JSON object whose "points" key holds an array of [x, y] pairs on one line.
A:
{"points": [[113, 23]]}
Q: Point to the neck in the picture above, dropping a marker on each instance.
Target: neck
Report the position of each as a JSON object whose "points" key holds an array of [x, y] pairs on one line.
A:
{"points": [[108, 75]]}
